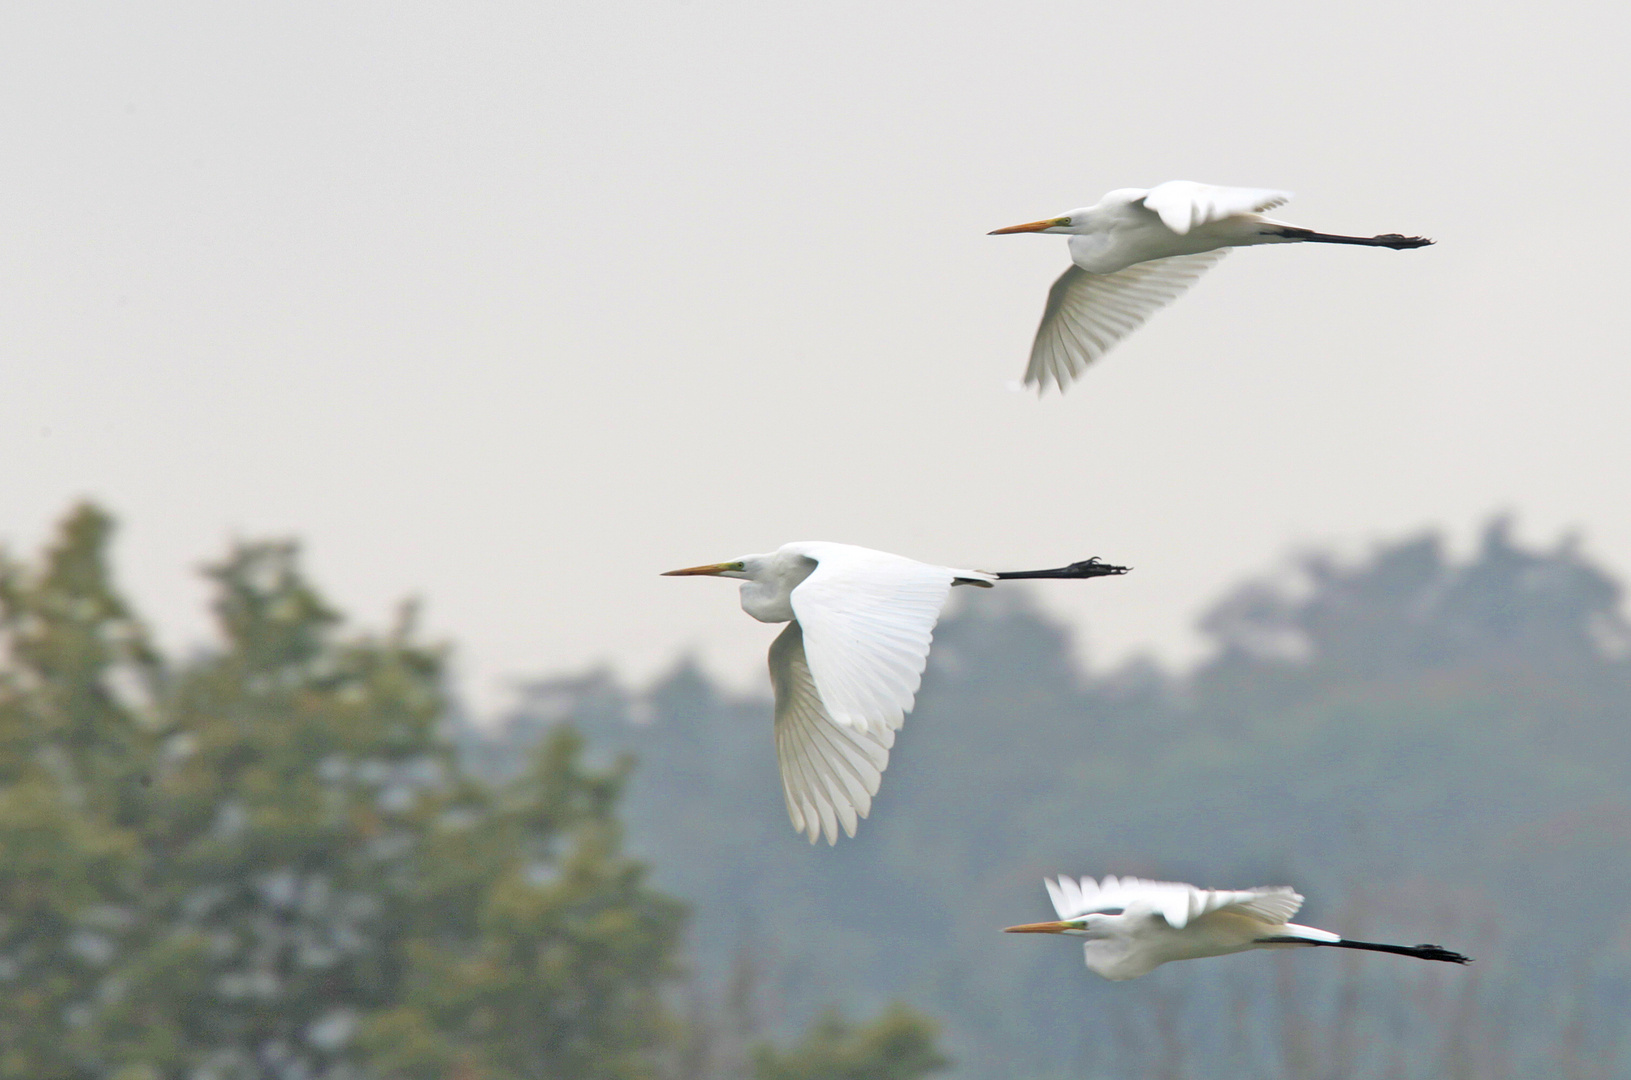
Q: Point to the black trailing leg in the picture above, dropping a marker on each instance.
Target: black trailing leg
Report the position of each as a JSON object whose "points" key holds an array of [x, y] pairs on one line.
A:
{"points": [[1387, 240], [1420, 952]]}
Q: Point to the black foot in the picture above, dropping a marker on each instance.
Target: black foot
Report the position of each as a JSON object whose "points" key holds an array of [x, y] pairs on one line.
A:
{"points": [[1095, 567], [1400, 243], [1435, 952]]}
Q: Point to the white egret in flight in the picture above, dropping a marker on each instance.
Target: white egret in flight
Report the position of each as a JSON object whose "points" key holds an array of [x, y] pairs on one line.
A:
{"points": [[847, 669], [1131, 927], [1136, 250]]}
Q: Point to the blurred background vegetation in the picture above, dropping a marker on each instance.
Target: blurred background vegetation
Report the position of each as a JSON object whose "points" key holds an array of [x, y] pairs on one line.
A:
{"points": [[290, 855]]}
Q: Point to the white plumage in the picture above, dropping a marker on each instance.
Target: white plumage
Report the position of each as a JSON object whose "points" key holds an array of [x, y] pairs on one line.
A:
{"points": [[1087, 314], [869, 618], [846, 671], [1177, 903], [1131, 926], [1136, 250], [829, 771], [1184, 205]]}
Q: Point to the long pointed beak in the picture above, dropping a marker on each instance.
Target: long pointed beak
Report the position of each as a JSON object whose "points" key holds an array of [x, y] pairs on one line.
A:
{"points": [[713, 569], [1032, 226], [1037, 928]]}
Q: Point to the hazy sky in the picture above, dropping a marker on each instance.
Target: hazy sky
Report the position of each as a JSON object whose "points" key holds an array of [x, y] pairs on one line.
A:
{"points": [[512, 306]]}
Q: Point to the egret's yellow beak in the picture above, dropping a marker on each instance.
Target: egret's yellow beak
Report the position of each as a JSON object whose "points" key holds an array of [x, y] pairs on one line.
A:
{"points": [[713, 570], [1040, 928], [1034, 226]]}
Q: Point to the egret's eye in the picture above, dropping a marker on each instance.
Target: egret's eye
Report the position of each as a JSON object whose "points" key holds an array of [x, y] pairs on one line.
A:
{"points": [[1063, 221]]}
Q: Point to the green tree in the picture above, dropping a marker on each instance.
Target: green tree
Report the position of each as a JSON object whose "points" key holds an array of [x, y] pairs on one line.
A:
{"points": [[77, 731], [899, 1045], [537, 949], [299, 774], [266, 861]]}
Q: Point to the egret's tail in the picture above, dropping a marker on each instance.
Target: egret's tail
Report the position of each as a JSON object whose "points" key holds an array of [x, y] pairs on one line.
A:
{"points": [[1420, 952], [1087, 568], [1387, 240]]}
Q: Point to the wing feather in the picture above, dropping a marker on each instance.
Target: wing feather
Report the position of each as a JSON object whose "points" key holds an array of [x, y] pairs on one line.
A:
{"points": [[1184, 205], [1178, 903], [1087, 314], [801, 783], [868, 620], [829, 772], [1061, 893], [1273, 904]]}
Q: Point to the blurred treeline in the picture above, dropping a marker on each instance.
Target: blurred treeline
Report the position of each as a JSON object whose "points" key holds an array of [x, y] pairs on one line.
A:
{"points": [[286, 856], [269, 860], [1432, 748]]}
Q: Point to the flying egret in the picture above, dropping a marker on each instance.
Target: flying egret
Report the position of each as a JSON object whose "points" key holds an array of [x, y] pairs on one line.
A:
{"points": [[1136, 250], [1133, 926], [846, 670]]}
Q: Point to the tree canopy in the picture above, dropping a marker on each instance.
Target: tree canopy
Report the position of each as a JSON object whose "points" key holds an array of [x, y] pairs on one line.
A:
{"points": [[266, 859]]}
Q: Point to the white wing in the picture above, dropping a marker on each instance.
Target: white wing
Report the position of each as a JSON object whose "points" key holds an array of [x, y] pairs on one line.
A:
{"points": [[1088, 313], [1178, 903], [829, 772], [1271, 903], [868, 619], [1184, 205]]}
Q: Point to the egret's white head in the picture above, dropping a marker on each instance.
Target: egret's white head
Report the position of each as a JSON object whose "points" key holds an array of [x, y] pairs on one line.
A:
{"points": [[1087, 926], [1066, 223], [737, 568], [1110, 942], [767, 581]]}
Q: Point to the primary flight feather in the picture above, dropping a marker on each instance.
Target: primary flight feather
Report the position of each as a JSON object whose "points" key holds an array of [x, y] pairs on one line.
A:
{"points": [[847, 669], [1136, 250]]}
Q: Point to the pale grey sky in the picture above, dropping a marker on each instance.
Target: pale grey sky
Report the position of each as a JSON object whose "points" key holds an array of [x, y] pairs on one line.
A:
{"points": [[511, 306]]}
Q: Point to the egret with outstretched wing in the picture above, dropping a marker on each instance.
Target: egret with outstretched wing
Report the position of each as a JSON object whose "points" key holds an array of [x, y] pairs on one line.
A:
{"points": [[847, 668], [1137, 250], [1130, 926]]}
